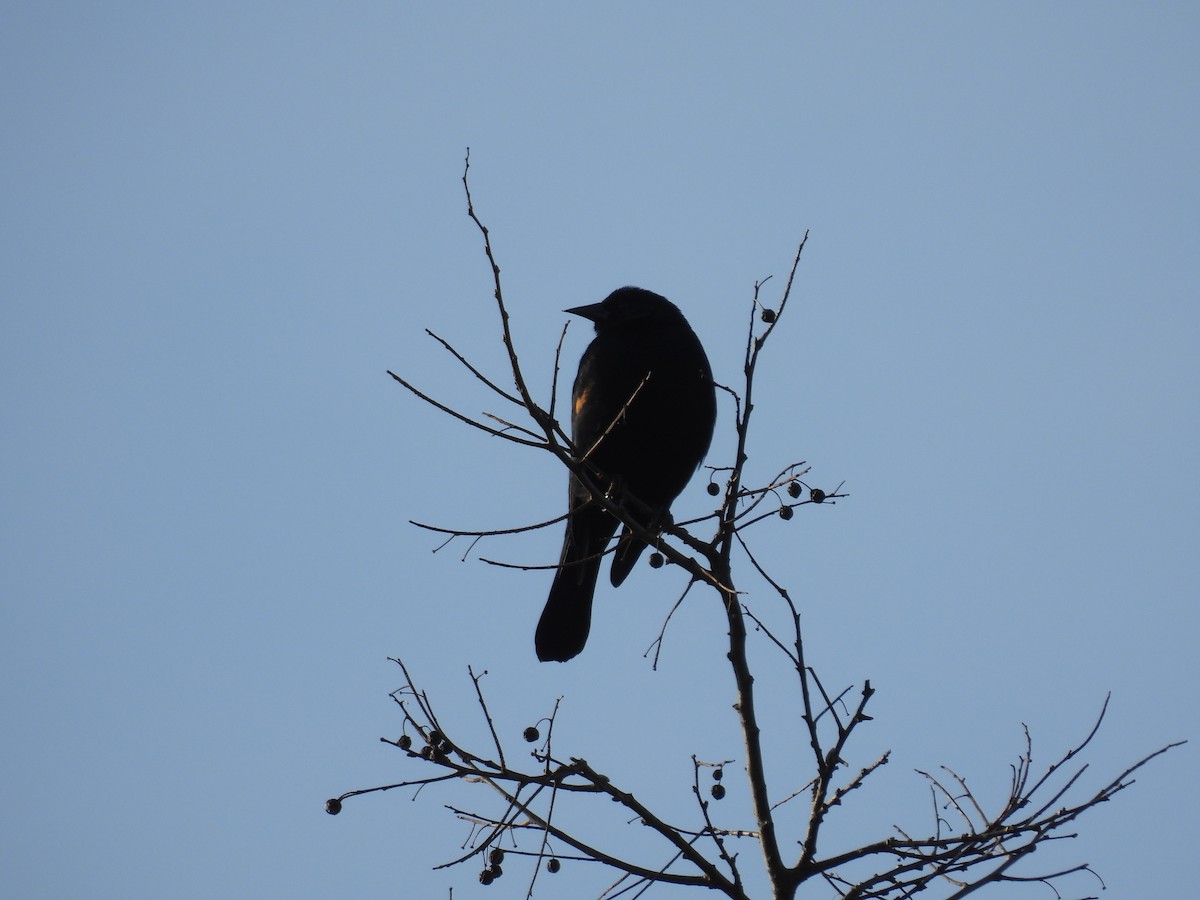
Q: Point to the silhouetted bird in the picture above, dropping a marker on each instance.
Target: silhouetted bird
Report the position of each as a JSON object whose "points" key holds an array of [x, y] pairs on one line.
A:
{"points": [[656, 441]]}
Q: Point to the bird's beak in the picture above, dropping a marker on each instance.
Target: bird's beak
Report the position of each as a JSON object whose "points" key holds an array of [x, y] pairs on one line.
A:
{"points": [[595, 312]]}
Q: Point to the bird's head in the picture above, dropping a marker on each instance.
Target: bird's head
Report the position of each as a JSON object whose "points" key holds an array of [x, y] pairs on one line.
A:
{"points": [[629, 306]]}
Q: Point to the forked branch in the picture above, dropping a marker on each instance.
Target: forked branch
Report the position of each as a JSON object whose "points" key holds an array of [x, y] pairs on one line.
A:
{"points": [[966, 849]]}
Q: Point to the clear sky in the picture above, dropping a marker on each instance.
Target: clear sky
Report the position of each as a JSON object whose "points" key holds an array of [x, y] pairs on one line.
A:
{"points": [[222, 222]]}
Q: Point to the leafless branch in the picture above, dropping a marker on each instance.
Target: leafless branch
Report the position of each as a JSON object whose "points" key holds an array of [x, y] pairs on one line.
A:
{"points": [[967, 847]]}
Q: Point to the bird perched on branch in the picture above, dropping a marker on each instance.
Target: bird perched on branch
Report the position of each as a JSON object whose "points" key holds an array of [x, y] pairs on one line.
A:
{"points": [[642, 417]]}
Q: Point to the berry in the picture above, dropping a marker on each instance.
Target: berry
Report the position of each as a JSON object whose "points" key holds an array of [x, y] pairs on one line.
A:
{"points": [[718, 773], [496, 856], [530, 734], [794, 489], [768, 315], [713, 488], [817, 495], [718, 791], [553, 865], [405, 741], [333, 806], [786, 512], [486, 876], [656, 560]]}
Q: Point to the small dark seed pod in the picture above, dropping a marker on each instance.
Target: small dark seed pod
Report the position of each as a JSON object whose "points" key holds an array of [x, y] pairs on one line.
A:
{"points": [[405, 741], [486, 876], [768, 315], [333, 806], [817, 495], [553, 865], [496, 856], [530, 734], [718, 773], [714, 488], [718, 791], [794, 489], [656, 560], [786, 512]]}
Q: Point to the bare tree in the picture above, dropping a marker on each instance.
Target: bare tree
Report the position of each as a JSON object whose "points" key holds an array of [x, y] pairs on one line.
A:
{"points": [[966, 846]]}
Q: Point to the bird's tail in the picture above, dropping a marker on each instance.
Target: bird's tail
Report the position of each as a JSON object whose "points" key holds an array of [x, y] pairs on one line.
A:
{"points": [[563, 628]]}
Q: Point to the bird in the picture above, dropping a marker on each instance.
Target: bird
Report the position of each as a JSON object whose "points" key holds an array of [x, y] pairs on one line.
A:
{"points": [[644, 406]]}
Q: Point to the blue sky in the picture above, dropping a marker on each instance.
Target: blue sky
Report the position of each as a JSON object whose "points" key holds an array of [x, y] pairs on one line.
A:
{"points": [[223, 222]]}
